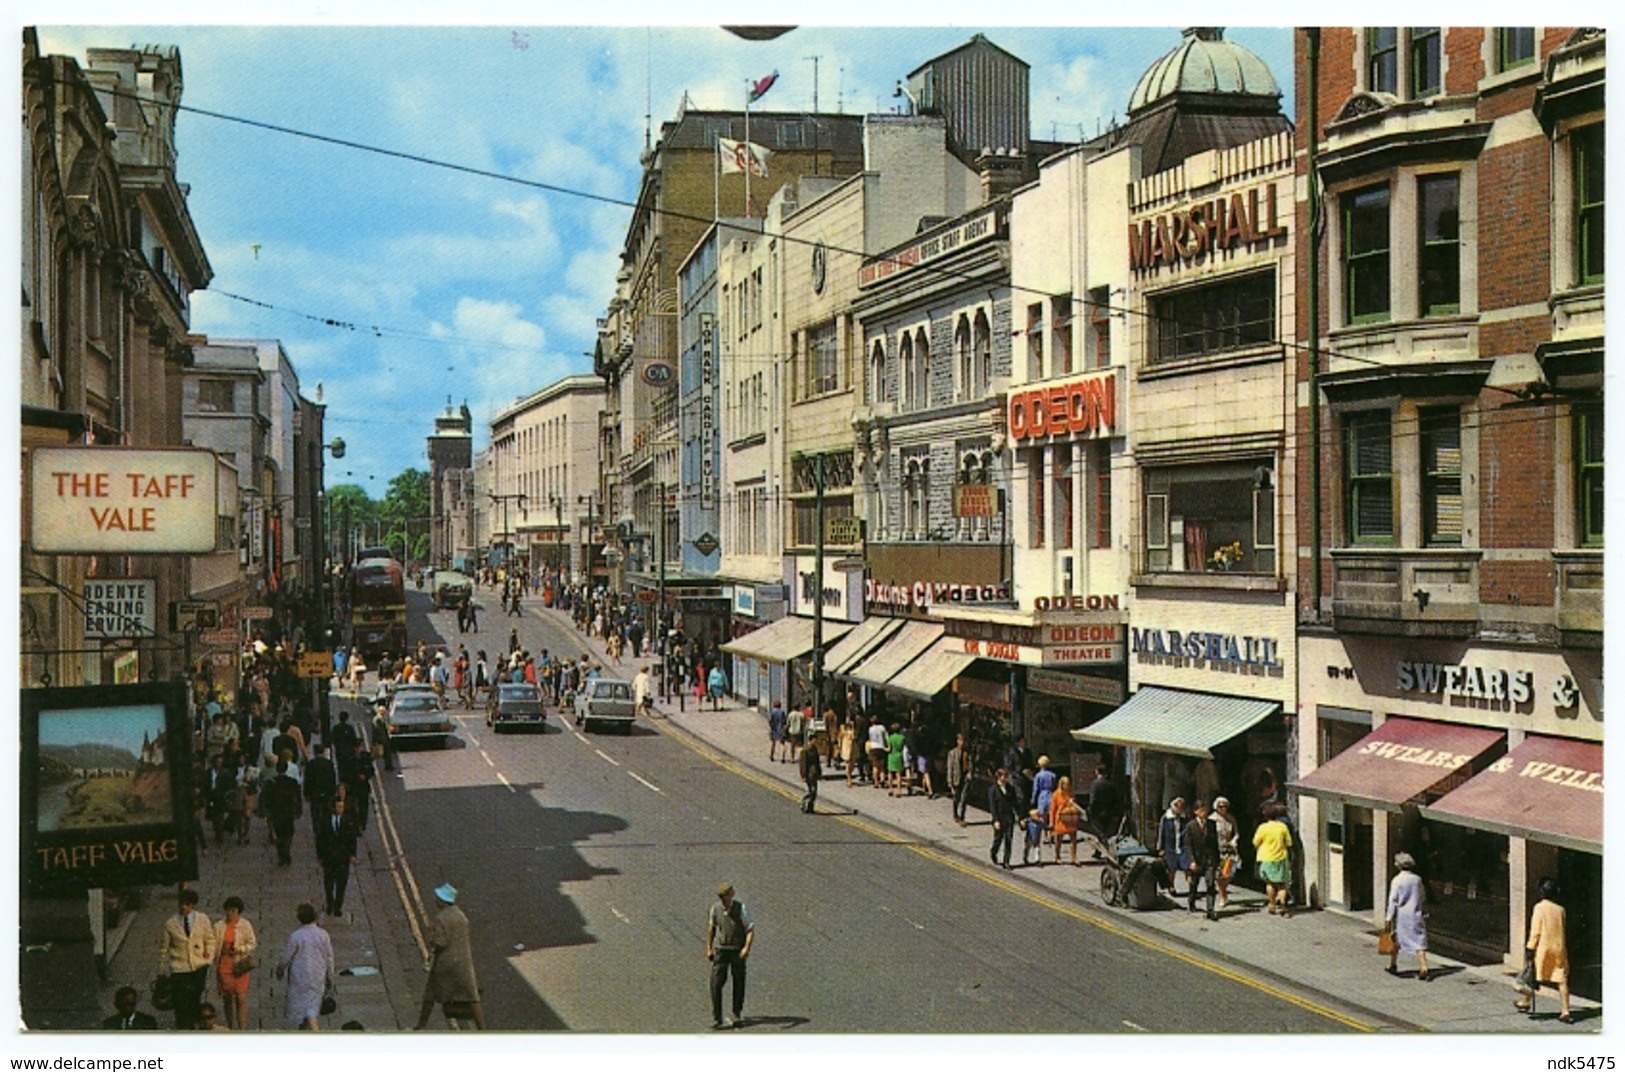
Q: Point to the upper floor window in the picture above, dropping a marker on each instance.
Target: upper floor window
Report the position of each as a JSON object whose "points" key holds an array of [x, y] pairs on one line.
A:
{"points": [[1588, 202], [1366, 254], [1440, 282], [216, 396], [1588, 426], [1217, 517], [1065, 484], [1099, 341], [1061, 316], [1035, 342], [964, 361], [1404, 62], [1216, 317], [922, 370], [823, 360], [905, 366], [982, 341], [1441, 476], [877, 374], [1100, 497], [1368, 477], [1514, 47]]}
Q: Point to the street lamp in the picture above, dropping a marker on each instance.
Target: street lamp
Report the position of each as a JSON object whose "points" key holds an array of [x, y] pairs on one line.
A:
{"points": [[507, 534]]}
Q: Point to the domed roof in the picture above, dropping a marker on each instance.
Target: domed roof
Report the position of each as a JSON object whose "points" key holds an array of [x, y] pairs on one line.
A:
{"points": [[1204, 62]]}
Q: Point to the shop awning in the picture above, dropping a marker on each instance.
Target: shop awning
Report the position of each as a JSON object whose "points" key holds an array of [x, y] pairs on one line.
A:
{"points": [[928, 675], [1547, 789], [1172, 720], [903, 648], [864, 638], [1399, 762], [786, 639]]}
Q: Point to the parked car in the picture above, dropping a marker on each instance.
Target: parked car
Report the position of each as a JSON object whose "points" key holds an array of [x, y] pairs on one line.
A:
{"points": [[514, 705], [603, 701], [415, 714]]}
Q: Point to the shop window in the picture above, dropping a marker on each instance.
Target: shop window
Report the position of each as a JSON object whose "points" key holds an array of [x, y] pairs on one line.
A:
{"points": [[1214, 518], [1366, 254], [1064, 496], [1588, 429], [1440, 262], [1061, 315], [1100, 328], [1368, 478], [1034, 460], [1514, 47], [1588, 202], [1441, 477], [1100, 497], [1035, 342], [1215, 318]]}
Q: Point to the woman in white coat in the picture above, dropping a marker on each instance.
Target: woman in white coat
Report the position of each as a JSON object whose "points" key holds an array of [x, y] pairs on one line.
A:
{"points": [[306, 969], [1407, 899]]}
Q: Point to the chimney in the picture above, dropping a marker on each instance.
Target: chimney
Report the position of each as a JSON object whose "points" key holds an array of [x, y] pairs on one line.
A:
{"points": [[1002, 170]]}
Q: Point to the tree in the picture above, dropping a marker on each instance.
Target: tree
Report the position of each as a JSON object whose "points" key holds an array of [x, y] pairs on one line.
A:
{"points": [[406, 511]]}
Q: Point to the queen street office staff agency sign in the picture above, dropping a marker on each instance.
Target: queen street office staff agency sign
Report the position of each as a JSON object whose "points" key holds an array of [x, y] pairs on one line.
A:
{"points": [[86, 500]]}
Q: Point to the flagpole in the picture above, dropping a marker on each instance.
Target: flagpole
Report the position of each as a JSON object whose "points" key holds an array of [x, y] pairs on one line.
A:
{"points": [[749, 152]]}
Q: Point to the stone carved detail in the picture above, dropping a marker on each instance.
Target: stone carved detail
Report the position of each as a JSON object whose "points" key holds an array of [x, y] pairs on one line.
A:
{"points": [[1365, 103], [85, 229]]}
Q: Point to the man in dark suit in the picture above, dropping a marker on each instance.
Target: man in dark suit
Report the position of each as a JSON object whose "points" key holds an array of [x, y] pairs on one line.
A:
{"points": [[1001, 805], [1202, 842], [336, 849], [343, 737], [321, 784], [127, 1019], [280, 800]]}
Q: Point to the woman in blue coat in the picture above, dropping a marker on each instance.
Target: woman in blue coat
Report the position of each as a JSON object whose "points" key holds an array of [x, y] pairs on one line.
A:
{"points": [[717, 684], [1407, 898]]}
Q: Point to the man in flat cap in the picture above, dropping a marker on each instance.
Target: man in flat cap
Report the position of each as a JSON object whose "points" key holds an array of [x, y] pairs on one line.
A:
{"points": [[728, 935]]}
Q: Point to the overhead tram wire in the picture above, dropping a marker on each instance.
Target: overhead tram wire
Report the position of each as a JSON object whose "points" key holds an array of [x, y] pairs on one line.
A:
{"points": [[537, 184]]}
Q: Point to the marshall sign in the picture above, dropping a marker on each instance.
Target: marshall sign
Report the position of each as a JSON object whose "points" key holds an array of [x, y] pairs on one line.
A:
{"points": [[1187, 234]]}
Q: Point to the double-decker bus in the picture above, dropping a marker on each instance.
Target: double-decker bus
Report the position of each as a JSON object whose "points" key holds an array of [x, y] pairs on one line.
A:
{"points": [[377, 607]]}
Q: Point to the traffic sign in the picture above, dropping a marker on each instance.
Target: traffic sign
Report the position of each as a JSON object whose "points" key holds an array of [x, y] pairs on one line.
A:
{"points": [[648, 595], [256, 612], [219, 638]]}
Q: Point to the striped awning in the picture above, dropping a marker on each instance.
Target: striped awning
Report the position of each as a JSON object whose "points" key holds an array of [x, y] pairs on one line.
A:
{"points": [[864, 638], [903, 648], [930, 673], [783, 640], [1183, 723]]}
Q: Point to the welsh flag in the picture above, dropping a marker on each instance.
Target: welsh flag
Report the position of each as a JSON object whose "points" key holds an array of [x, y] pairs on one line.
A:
{"points": [[759, 89]]}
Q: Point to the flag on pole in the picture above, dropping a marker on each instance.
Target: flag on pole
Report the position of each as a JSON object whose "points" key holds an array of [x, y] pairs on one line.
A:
{"points": [[743, 156], [759, 89]]}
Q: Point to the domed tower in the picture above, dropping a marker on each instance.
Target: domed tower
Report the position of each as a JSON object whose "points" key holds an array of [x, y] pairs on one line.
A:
{"points": [[450, 447], [1207, 93]]}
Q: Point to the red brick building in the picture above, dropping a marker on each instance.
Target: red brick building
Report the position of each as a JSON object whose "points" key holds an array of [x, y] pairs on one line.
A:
{"points": [[1450, 303]]}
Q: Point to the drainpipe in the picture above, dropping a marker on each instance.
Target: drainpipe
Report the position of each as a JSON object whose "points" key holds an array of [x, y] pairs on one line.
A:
{"points": [[1315, 226]]}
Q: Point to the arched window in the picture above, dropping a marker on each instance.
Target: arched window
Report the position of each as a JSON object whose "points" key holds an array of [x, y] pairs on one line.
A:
{"points": [[963, 361], [922, 370], [905, 365], [984, 355], [916, 493], [877, 373]]}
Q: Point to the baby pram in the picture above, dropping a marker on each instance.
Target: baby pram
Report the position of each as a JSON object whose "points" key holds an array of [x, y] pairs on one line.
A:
{"points": [[1132, 873]]}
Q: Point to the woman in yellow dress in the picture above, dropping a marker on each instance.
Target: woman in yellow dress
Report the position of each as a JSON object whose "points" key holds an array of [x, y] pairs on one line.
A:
{"points": [[1065, 816], [1548, 946]]}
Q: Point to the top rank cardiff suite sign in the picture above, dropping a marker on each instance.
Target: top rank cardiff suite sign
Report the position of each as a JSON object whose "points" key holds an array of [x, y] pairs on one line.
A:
{"points": [[111, 499]]}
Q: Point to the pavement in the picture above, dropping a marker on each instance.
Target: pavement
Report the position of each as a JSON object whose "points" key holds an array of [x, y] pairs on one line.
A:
{"points": [[1322, 952], [379, 964]]}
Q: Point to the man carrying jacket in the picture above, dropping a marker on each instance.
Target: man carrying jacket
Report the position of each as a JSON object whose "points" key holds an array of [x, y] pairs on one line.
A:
{"points": [[186, 949]]}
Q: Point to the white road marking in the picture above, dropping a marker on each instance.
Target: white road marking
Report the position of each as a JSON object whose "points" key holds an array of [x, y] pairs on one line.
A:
{"points": [[651, 785], [1135, 1026], [503, 779], [487, 758], [607, 758], [622, 916], [579, 737]]}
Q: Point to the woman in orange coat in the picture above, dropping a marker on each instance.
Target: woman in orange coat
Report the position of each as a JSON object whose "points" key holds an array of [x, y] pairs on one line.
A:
{"points": [[1065, 817], [1549, 948]]}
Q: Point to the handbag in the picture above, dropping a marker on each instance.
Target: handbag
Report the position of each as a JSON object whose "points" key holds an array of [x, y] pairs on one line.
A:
{"points": [[244, 964], [1386, 945], [1525, 980], [330, 999]]}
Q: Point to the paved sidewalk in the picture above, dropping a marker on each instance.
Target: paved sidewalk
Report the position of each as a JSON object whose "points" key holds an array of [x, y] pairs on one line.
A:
{"points": [[1324, 952], [380, 974]]}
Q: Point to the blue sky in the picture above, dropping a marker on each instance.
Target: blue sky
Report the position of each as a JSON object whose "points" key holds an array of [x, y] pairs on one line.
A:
{"points": [[483, 289]]}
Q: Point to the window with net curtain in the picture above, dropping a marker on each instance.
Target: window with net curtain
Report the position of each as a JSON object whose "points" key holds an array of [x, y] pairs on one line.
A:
{"points": [[1216, 517]]}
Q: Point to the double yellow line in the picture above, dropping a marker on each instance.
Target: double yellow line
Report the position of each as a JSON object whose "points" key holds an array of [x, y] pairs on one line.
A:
{"points": [[1043, 900]]}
